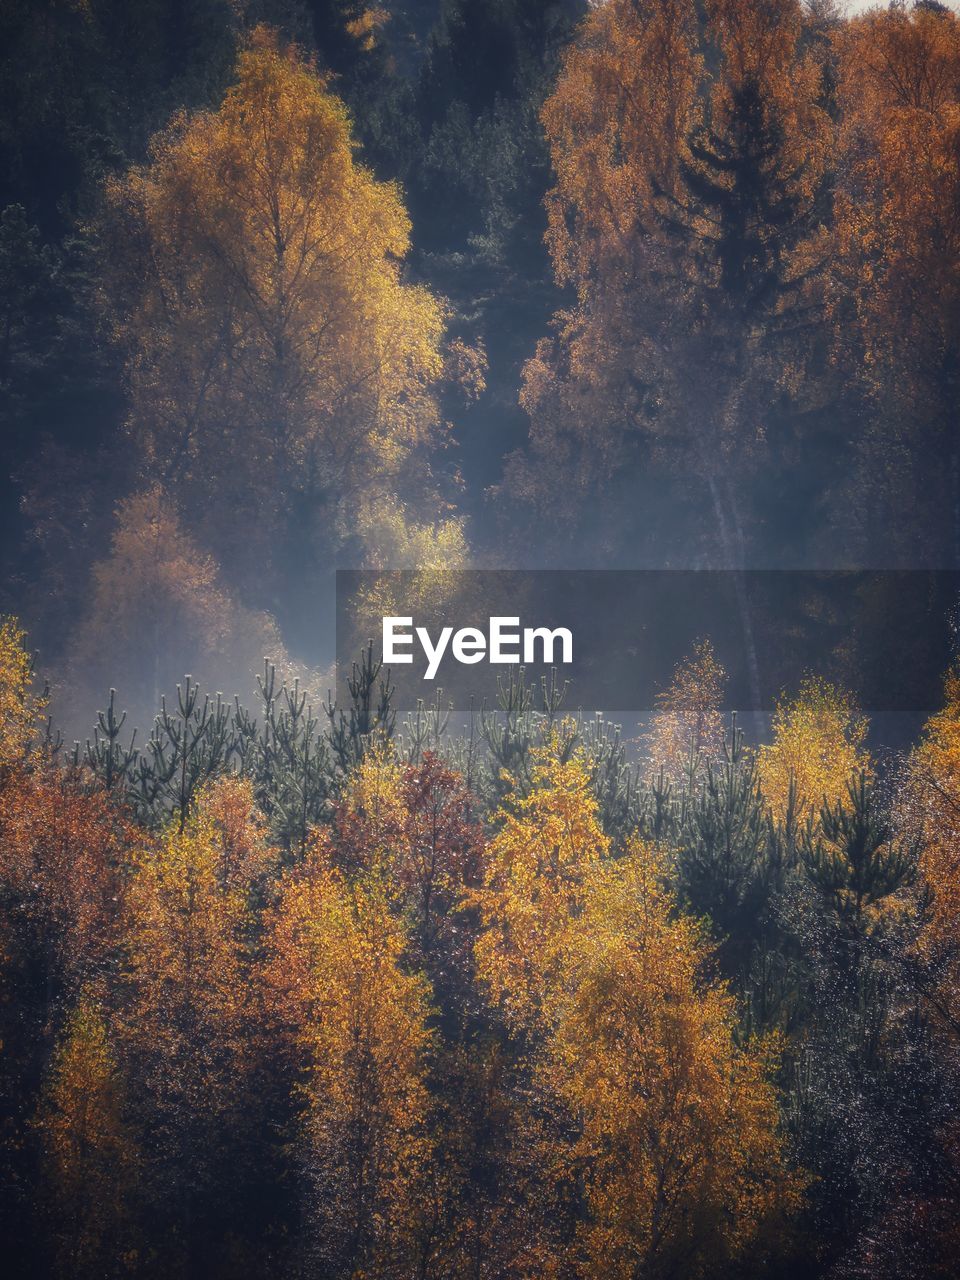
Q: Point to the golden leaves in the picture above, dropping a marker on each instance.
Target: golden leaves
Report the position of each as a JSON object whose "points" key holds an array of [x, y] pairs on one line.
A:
{"points": [[254, 280], [20, 707], [818, 748], [358, 1020], [687, 731], [674, 1126]]}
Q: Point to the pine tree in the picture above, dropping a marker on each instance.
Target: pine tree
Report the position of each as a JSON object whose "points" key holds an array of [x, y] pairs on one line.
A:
{"points": [[856, 858], [723, 838], [741, 210]]}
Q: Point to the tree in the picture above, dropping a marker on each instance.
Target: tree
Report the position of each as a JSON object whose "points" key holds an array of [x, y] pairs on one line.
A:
{"points": [[536, 881], [817, 749], [354, 1021], [412, 825], [690, 161], [677, 1123], [670, 1128], [686, 733], [60, 878], [20, 707], [185, 1032], [729, 857], [895, 290], [436, 869], [90, 1152], [280, 370], [159, 607], [858, 861], [930, 812], [61, 894], [480, 170]]}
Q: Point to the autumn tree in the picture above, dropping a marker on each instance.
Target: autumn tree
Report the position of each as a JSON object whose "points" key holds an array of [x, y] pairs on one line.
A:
{"points": [[282, 375], [536, 881], [690, 150], [443, 862], [89, 1150], [412, 824], [61, 849], [895, 288], [353, 1020], [184, 1025], [61, 878], [61, 891], [679, 1143], [817, 750], [158, 608], [931, 809], [686, 731], [20, 707], [675, 1127]]}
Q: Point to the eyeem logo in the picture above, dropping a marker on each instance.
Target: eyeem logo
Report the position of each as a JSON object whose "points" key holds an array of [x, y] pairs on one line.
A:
{"points": [[503, 642]]}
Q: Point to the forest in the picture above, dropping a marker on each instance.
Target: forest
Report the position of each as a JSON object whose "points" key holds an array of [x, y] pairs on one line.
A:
{"points": [[304, 985]]}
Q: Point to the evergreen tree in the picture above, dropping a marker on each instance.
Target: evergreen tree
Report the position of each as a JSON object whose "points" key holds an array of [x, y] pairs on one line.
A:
{"points": [[741, 210], [856, 859]]}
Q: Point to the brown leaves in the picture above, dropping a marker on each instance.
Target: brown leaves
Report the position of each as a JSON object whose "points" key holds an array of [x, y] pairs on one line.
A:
{"points": [[61, 856]]}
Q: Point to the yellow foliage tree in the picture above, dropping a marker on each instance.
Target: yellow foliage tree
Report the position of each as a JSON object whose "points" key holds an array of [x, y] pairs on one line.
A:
{"points": [[90, 1152], [817, 751], [254, 281], [679, 1140], [687, 728], [185, 1022], [537, 878], [20, 707], [372, 813], [357, 1022], [675, 1125]]}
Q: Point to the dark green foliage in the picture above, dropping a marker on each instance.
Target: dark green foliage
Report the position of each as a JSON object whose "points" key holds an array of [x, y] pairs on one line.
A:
{"points": [[482, 169], [110, 762], [371, 717], [288, 759], [724, 838], [424, 728], [295, 766], [857, 859], [102, 76], [187, 747], [738, 182]]}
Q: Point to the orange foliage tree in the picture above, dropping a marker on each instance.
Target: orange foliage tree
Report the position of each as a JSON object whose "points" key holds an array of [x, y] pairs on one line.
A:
{"points": [[896, 285], [159, 607], [690, 145]]}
